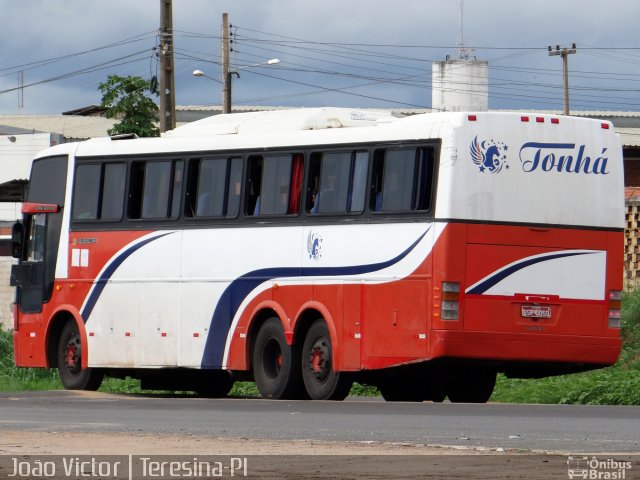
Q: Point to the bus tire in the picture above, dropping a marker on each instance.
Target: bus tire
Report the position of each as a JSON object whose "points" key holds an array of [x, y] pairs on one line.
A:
{"points": [[398, 392], [275, 364], [321, 381], [70, 352], [215, 384], [476, 386], [412, 391]]}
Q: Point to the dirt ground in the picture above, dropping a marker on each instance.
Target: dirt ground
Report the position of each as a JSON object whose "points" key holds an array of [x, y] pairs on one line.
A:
{"points": [[273, 459], [61, 443]]}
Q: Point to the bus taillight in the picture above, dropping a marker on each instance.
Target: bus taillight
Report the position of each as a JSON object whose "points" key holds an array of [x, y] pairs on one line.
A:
{"points": [[615, 303], [450, 300]]}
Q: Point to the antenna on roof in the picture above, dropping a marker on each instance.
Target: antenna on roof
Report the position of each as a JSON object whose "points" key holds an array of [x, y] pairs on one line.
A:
{"points": [[463, 52]]}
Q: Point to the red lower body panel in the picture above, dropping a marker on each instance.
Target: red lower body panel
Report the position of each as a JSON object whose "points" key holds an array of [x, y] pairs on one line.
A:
{"points": [[525, 347]]}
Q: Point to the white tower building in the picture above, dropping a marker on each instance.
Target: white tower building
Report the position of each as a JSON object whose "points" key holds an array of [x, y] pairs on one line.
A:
{"points": [[460, 85]]}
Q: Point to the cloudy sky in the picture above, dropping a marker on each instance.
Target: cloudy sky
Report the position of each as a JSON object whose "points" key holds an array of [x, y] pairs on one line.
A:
{"points": [[356, 53]]}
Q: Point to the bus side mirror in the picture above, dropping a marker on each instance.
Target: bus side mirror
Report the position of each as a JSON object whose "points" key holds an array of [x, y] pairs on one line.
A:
{"points": [[17, 238]]}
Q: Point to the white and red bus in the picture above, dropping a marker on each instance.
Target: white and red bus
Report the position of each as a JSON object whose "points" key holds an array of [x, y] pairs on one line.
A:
{"points": [[307, 249]]}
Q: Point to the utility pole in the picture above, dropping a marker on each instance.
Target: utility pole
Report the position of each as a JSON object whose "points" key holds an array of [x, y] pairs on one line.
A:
{"points": [[167, 86], [21, 92], [564, 53], [226, 73]]}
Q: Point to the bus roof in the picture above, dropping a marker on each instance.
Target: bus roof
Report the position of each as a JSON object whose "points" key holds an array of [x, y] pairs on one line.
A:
{"points": [[282, 120]]}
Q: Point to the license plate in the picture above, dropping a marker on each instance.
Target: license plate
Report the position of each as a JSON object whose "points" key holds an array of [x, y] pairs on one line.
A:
{"points": [[535, 311]]}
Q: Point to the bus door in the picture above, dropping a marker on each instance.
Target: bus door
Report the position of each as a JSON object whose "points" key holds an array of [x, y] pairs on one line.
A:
{"points": [[36, 240]]}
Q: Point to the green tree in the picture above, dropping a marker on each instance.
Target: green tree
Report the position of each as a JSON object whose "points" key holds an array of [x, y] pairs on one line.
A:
{"points": [[124, 99]]}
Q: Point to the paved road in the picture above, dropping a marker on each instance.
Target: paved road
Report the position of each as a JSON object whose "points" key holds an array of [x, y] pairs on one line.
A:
{"points": [[533, 427]]}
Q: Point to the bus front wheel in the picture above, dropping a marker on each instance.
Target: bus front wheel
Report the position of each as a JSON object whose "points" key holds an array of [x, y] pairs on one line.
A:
{"points": [[276, 365], [321, 381], [70, 352]]}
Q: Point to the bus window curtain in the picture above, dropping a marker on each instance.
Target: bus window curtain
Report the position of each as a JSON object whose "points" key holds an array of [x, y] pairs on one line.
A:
{"points": [[296, 184]]}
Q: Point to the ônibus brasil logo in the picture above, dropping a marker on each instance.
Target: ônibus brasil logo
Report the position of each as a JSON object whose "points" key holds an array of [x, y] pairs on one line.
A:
{"points": [[489, 155]]}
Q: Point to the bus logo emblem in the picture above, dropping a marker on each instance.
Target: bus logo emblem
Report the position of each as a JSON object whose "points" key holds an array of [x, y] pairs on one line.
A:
{"points": [[314, 246], [489, 155]]}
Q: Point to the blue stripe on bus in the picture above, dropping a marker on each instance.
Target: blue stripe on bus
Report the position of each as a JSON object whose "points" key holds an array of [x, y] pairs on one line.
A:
{"points": [[237, 291], [493, 280], [108, 272]]}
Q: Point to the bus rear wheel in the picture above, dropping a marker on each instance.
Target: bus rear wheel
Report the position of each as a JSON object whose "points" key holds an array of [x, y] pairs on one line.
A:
{"points": [[215, 384], [70, 352], [412, 391], [321, 381], [473, 386], [276, 365]]}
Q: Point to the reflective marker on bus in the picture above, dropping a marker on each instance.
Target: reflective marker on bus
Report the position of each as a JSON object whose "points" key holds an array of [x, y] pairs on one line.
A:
{"points": [[308, 249]]}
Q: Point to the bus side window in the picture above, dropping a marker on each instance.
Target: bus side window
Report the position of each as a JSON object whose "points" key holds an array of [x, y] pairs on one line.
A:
{"points": [[176, 194], [424, 178], [398, 179], [213, 187], [401, 180], [337, 182], [276, 185], [375, 195], [112, 201], [254, 184], [234, 183], [359, 182], [87, 192], [136, 180], [155, 189], [99, 192], [313, 184], [191, 188]]}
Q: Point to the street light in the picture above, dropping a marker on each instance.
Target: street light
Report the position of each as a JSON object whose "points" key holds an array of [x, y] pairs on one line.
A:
{"points": [[226, 87], [200, 73], [226, 83]]}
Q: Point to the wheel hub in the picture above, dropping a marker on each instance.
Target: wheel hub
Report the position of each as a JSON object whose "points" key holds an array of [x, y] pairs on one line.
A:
{"points": [[320, 359], [272, 359], [73, 354]]}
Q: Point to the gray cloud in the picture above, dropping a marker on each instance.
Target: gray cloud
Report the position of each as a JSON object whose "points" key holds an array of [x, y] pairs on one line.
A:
{"points": [[38, 29]]}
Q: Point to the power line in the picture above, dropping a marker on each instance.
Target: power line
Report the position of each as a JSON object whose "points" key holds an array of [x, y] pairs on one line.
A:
{"points": [[83, 71], [49, 61]]}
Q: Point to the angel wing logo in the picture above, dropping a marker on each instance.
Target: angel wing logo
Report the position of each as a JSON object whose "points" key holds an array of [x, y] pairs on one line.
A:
{"points": [[314, 246], [489, 155]]}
